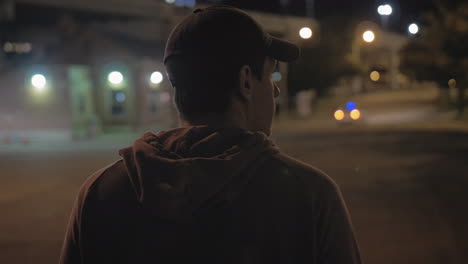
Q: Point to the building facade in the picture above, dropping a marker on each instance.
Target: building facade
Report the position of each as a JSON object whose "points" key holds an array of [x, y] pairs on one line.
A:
{"points": [[76, 69]]}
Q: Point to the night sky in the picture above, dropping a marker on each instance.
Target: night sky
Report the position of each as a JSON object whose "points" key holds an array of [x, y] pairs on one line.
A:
{"points": [[404, 11]]}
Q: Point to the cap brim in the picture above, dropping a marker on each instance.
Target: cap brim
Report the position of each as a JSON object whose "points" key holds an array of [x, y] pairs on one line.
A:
{"points": [[283, 50]]}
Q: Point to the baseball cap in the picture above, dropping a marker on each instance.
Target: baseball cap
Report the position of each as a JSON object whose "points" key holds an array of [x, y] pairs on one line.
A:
{"points": [[224, 32]]}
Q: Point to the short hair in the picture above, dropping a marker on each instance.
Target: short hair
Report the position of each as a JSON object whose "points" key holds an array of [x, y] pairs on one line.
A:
{"points": [[206, 86]]}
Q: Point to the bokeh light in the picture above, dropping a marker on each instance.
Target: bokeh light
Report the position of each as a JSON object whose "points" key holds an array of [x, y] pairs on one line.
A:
{"points": [[120, 97], [276, 76], [375, 76], [115, 78], [413, 29], [368, 36], [452, 83], [189, 3], [350, 106], [339, 115], [8, 47], [355, 114], [385, 10], [39, 82], [27, 47], [156, 77], [305, 33]]}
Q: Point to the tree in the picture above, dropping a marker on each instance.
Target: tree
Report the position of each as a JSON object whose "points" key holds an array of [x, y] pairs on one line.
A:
{"points": [[440, 52]]}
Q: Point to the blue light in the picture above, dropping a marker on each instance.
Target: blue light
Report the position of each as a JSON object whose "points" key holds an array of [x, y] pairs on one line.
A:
{"points": [[350, 106], [120, 97], [188, 3], [276, 76]]}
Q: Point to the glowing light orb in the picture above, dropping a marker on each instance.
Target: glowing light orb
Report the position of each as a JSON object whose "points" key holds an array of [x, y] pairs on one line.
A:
{"points": [[350, 106], [339, 115], [413, 29], [156, 77], [120, 97], [39, 82], [355, 114], [276, 76], [115, 78], [375, 76], [27, 47], [8, 47], [305, 33], [368, 36], [385, 10], [452, 83]]}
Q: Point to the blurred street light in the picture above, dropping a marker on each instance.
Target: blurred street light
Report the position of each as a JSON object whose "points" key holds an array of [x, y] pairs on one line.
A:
{"points": [[26, 47], [355, 114], [276, 76], [368, 36], [156, 77], [339, 115], [350, 106], [115, 78], [39, 82], [8, 47], [452, 83], [413, 29], [375, 76], [188, 3], [120, 97], [385, 10], [305, 33], [19, 47]]}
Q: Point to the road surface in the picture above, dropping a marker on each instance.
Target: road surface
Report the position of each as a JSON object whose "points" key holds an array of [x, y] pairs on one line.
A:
{"points": [[405, 191]]}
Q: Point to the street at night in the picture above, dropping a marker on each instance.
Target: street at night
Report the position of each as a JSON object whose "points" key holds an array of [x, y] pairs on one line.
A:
{"points": [[371, 93], [405, 191]]}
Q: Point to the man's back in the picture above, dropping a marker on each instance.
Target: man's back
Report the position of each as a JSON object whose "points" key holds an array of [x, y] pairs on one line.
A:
{"points": [[216, 190], [272, 209]]}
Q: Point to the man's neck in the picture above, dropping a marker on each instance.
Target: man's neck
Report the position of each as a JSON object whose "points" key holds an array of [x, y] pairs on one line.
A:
{"points": [[214, 121]]}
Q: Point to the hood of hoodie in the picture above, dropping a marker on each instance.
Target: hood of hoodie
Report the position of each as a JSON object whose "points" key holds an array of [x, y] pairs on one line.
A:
{"points": [[183, 172]]}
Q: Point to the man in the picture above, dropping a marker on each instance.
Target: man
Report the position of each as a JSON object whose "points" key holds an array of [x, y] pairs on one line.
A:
{"points": [[216, 190]]}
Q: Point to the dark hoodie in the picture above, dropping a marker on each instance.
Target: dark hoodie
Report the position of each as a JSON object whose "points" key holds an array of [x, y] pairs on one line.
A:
{"points": [[208, 195]]}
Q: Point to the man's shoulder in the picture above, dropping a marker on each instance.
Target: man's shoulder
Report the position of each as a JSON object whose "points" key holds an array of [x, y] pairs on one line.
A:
{"points": [[292, 171], [108, 183], [298, 168]]}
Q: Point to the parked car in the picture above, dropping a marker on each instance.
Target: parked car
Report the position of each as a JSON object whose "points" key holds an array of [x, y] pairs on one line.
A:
{"points": [[348, 113]]}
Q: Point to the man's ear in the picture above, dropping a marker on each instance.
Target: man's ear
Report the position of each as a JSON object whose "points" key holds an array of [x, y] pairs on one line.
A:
{"points": [[245, 83]]}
